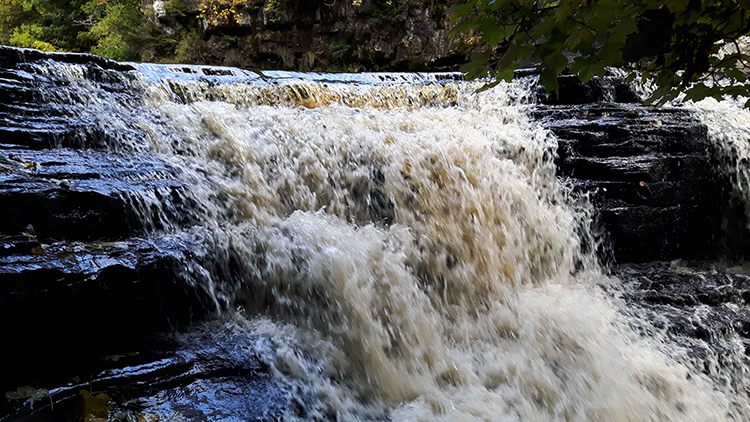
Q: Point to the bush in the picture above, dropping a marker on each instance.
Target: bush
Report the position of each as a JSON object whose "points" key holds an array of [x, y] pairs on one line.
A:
{"points": [[27, 36], [120, 29]]}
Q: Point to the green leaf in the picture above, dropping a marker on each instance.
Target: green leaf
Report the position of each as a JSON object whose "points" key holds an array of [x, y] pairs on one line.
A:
{"points": [[697, 92], [580, 35], [610, 54], [676, 6], [507, 74], [598, 31], [587, 69], [463, 9], [549, 49], [736, 74], [737, 91], [621, 31], [548, 79], [493, 34], [544, 27], [476, 68]]}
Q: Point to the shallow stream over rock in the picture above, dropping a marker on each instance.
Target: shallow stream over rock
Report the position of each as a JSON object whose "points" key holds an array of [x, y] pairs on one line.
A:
{"points": [[201, 243]]}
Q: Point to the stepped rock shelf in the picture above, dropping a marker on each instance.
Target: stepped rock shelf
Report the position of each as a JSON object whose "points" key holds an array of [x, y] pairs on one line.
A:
{"points": [[83, 278], [650, 171]]}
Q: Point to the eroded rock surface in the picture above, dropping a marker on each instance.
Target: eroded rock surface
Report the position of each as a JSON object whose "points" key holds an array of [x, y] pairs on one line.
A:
{"points": [[87, 195], [699, 306], [86, 268], [202, 375], [651, 175]]}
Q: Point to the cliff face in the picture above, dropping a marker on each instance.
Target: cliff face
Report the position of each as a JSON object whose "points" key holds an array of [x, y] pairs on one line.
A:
{"points": [[321, 35]]}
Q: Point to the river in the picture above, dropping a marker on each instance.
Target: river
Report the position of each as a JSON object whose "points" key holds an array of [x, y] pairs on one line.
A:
{"points": [[395, 247]]}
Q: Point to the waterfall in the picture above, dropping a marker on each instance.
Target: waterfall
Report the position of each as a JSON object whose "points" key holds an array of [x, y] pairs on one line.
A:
{"points": [[398, 247], [727, 123]]}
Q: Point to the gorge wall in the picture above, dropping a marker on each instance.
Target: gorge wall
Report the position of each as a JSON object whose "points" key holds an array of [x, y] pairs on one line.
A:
{"points": [[321, 35]]}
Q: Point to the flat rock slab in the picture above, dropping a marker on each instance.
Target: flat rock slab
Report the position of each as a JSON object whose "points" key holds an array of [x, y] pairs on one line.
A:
{"points": [[42, 110], [87, 195], [207, 373], [67, 303]]}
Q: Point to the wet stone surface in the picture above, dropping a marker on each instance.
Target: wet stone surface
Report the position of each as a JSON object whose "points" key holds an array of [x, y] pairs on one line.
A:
{"points": [[699, 306], [88, 268], [70, 302], [650, 174], [85, 194], [41, 110], [204, 374]]}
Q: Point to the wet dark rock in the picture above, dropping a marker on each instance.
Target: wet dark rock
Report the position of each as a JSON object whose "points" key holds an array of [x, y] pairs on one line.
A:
{"points": [[685, 283], [651, 176], [572, 91], [40, 110], [70, 302], [85, 270], [74, 309], [88, 195], [11, 57], [700, 307], [202, 375]]}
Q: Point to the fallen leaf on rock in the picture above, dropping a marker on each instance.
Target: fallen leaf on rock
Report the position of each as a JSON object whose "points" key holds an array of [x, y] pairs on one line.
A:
{"points": [[113, 358], [39, 250], [26, 392], [92, 408], [31, 165]]}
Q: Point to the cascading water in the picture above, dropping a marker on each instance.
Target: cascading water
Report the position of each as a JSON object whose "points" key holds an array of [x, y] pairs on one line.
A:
{"points": [[399, 249], [728, 124]]}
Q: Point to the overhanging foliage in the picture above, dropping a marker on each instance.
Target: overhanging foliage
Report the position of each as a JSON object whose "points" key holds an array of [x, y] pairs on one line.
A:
{"points": [[682, 46]]}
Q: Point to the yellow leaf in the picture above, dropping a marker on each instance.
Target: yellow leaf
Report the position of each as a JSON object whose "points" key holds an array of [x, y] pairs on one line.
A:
{"points": [[93, 408]]}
